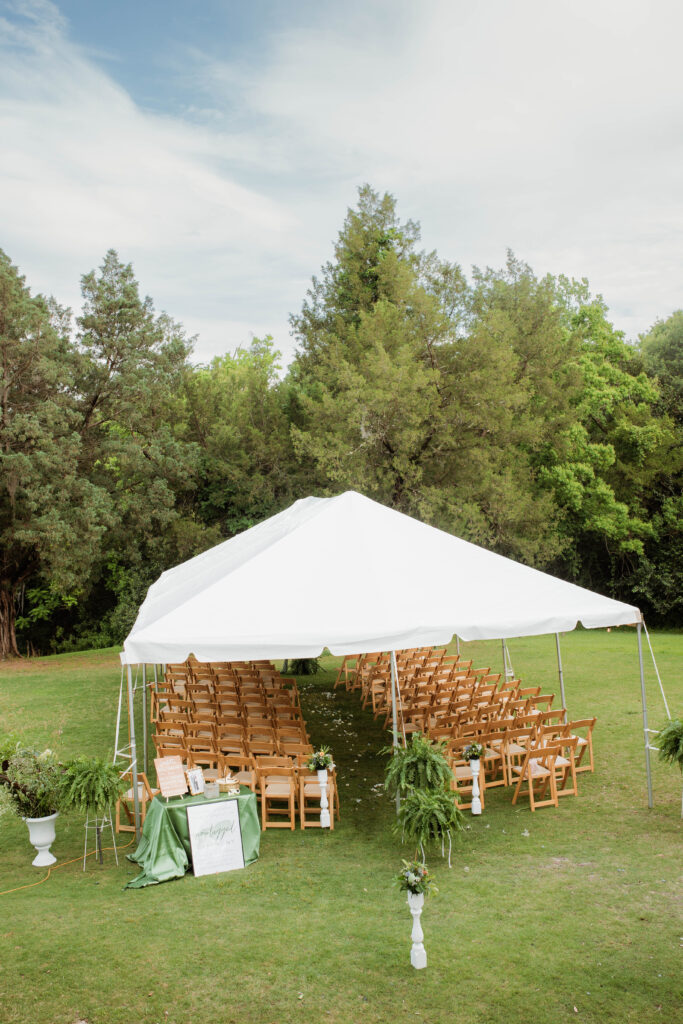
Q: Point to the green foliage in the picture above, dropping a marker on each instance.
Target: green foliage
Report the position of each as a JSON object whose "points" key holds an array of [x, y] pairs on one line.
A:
{"points": [[304, 666], [414, 877], [669, 740], [91, 784], [421, 764], [428, 816], [33, 780]]}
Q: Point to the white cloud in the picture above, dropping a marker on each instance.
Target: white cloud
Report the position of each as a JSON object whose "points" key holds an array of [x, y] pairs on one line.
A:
{"points": [[549, 128]]}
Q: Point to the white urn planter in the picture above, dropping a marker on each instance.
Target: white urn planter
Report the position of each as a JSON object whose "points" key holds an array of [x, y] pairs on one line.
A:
{"points": [[42, 833], [418, 954], [324, 802], [475, 766]]}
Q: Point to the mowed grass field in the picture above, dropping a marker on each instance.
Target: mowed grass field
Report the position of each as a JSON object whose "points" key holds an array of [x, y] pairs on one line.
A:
{"points": [[561, 915]]}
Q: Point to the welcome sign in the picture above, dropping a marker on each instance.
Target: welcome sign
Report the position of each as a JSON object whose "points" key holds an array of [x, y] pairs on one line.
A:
{"points": [[215, 837]]}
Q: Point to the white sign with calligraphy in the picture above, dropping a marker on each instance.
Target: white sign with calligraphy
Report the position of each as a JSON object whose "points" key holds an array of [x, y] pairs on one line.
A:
{"points": [[215, 837]]}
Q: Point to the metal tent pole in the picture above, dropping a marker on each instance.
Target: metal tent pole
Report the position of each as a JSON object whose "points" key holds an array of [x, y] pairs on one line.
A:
{"points": [[394, 715], [133, 753], [144, 719], [505, 662], [648, 768], [457, 645], [559, 672]]}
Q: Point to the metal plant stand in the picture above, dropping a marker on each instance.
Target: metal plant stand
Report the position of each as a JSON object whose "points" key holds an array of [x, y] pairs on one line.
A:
{"points": [[99, 824]]}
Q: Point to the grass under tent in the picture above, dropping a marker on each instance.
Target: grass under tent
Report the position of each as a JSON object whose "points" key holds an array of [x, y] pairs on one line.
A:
{"points": [[569, 914]]}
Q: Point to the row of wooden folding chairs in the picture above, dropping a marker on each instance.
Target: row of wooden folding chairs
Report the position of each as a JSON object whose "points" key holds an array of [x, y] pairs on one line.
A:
{"points": [[511, 755], [357, 670], [283, 785]]}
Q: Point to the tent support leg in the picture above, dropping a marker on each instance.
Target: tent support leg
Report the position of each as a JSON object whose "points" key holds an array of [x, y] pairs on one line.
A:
{"points": [[144, 719], [394, 714], [648, 767], [560, 674], [505, 661], [133, 753], [457, 645]]}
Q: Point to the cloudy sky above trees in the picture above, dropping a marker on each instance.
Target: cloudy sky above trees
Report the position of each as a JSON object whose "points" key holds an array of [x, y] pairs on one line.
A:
{"points": [[217, 145]]}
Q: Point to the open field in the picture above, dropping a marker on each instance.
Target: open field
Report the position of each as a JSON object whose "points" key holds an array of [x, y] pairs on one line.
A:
{"points": [[578, 920]]}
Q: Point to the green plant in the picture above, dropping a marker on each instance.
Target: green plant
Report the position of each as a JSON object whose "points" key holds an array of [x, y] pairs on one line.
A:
{"points": [[320, 759], [10, 742], [304, 666], [414, 877], [472, 752], [429, 816], [421, 764], [32, 779], [91, 784], [669, 740]]}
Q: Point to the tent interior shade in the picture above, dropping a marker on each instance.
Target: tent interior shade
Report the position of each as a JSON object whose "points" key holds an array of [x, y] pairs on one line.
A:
{"points": [[351, 575]]}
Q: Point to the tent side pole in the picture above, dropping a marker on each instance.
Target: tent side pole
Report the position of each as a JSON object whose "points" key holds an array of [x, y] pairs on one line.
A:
{"points": [[560, 674], [133, 753], [505, 662], [394, 714], [648, 767], [144, 719]]}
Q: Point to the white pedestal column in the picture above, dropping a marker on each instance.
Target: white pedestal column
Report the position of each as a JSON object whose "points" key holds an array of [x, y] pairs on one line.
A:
{"points": [[418, 954], [476, 799], [324, 803]]}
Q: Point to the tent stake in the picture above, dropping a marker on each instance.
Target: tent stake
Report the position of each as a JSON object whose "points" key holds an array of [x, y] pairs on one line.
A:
{"points": [[559, 672], [394, 717], [133, 753], [650, 802]]}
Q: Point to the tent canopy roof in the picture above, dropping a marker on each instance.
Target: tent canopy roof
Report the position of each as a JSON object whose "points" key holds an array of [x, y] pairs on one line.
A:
{"points": [[352, 575]]}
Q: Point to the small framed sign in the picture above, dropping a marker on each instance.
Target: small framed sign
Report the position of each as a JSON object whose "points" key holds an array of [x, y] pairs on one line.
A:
{"points": [[170, 776], [215, 837], [195, 780]]}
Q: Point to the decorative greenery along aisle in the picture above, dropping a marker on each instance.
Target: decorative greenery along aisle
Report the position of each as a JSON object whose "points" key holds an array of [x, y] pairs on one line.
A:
{"points": [[564, 915]]}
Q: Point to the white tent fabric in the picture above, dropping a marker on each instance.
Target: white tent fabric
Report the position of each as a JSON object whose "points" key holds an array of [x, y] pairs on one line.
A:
{"points": [[349, 574]]}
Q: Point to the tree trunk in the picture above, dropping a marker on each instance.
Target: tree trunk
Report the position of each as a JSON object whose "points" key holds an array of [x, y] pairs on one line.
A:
{"points": [[8, 617]]}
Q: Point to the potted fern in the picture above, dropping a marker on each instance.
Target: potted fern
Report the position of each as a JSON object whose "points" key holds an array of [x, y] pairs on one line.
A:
{"points": [[421, 764], [429, 816], [669, 741], [91, 785]]}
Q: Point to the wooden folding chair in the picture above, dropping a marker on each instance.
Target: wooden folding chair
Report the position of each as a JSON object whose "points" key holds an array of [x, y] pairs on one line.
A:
{"points": [[126, 802], [585, 743], [537, 769], [277, 787]]}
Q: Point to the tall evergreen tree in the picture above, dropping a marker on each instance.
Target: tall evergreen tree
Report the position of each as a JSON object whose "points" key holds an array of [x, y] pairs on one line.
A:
{"points": [[51, 516]]}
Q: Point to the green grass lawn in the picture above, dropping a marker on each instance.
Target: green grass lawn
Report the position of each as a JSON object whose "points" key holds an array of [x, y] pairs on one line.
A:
{"points": [[580, 919]]}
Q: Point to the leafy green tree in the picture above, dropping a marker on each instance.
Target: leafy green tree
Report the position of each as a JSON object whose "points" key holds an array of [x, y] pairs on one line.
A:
{"points": [[51, 516], [415, 391], [236, 414], [662, 351]]}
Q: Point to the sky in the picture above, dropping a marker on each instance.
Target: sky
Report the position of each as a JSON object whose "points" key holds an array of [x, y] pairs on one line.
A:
{"points": [[217, 145]]}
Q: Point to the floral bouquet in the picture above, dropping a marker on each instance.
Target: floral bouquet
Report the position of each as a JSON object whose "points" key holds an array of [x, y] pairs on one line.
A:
{"points": [[319, 760], [414, 877], [472, 752]]}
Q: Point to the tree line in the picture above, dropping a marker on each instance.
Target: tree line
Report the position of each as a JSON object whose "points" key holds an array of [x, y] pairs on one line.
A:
{"points": [[503, 407]]}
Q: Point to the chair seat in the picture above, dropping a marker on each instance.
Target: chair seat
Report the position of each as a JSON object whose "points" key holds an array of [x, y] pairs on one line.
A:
{"points": [[536, 770], [278, 789], [128, 795]]}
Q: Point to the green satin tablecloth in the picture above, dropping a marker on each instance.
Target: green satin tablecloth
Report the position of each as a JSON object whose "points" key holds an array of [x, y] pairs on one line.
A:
{"points": [[164, 851]]}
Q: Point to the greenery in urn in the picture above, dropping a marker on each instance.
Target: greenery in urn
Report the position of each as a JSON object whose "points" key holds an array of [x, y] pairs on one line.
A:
{"points": [[421, 764], [472, 752], [32, 780], [303, 666], [429, 816], [319, 760], [91, 785], [415, 878]]}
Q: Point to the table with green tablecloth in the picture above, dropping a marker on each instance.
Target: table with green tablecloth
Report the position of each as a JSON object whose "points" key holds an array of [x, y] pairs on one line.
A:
{"points": [[164, 850]]}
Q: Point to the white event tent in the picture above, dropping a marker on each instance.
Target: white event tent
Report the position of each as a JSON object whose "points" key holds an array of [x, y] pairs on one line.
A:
{"points": [[351, 575]]}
